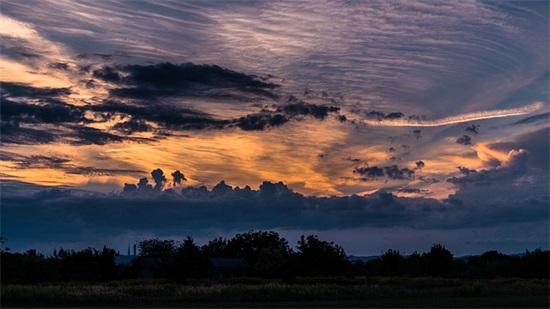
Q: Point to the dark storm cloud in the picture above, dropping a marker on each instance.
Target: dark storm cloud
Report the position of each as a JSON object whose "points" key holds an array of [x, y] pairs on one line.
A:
{"points": [[167, 116], [512, 186], [380, 115], [535, 142], [391, 171], [178, 118], [306, 109], [89, 136], [394, 172], [48, 215], [23, 104], [394, 115], [186, 79], [375, 114], [69, 120], [107, 74], [132, 126], [52, 112], [466, 171], [258, 122], [371, 172], [464, 140], [13, 133], [506, 173], [20, 90]]}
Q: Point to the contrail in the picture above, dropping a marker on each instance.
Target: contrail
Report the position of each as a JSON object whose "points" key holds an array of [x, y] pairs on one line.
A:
{"points": [[457, 119]]}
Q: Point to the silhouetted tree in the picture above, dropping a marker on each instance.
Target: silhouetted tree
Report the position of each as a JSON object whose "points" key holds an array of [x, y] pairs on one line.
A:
{"points": [[271, 263], [320, 258], [157, 247], [2, 241], [492, 264], [439, 261], [248, 245], [535, 264], [216, 247], [28, 267], [392, 263], [189, 261], [413, 265]]}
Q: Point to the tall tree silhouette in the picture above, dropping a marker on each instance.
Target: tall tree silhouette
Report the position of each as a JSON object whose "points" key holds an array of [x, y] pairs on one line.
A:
{"points": [[321, 258]]}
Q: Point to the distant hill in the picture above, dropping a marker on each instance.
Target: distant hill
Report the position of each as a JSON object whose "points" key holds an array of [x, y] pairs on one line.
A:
{"points": [[464, 258], [353, 258]]}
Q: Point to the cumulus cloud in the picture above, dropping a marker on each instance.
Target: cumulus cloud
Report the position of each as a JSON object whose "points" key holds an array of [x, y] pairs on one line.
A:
{"points": [[536, 142], [511, 182], [48, 215], [143, 185], [159, 178], [177, 178]]}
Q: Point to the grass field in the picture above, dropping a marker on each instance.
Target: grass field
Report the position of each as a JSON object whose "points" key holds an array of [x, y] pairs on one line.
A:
{"points": [[318, 292]]}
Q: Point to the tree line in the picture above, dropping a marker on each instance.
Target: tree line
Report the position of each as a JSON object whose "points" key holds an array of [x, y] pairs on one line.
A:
{"points": [[269, 256]]}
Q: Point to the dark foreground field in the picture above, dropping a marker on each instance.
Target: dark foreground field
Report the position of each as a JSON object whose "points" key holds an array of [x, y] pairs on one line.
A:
{"points": [[320, 292]]}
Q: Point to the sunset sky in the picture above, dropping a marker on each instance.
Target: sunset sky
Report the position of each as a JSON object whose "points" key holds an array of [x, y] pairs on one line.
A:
{"points": [[376, 125]]}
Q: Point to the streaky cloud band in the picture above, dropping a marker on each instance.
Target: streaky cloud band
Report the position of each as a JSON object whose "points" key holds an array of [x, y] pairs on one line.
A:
{"points": [[458, 118]]}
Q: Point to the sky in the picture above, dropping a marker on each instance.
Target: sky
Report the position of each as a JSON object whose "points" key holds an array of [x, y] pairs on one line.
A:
{"points": [[373, 124]]}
